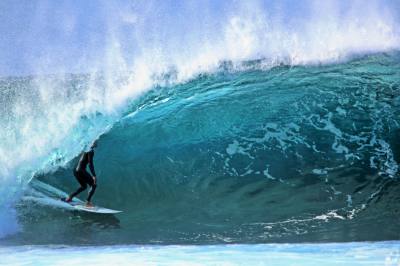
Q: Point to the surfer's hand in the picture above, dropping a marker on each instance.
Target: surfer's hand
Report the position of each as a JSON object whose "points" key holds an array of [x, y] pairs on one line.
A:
{"points": [[94, 180]]}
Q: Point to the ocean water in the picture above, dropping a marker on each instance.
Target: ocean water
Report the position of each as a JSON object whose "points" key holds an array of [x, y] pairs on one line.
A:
{"points": [[382, 253], [281, 128], [288, 154]]}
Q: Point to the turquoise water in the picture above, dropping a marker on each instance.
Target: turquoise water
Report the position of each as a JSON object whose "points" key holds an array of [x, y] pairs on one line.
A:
{"points": [[228, 132], [288, 154]]}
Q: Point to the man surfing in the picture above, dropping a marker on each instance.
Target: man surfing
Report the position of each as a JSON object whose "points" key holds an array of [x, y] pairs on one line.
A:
{"points": [[83, 177]]}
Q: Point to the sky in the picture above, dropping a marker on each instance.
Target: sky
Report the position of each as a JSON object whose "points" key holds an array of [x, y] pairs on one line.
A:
{"points": [[52, 33]]}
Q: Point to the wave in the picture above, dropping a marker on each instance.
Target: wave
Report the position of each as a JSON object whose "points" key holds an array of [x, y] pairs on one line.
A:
{"points": [[287, 154], [151, 38], [302, 254], [48, 119]]}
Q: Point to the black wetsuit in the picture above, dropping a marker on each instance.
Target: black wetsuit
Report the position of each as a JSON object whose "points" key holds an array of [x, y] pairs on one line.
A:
{"points": [[83, 177]]}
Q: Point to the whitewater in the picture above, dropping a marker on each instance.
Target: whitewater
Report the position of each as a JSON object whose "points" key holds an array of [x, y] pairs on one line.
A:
{"points": [[221, 128]]}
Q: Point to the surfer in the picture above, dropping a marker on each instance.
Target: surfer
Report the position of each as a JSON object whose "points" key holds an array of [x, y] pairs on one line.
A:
{"points": [[83, 177]]}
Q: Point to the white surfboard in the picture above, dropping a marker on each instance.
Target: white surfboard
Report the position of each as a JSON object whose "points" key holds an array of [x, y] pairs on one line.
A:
{"points": [[45, 194], [80, 206]]}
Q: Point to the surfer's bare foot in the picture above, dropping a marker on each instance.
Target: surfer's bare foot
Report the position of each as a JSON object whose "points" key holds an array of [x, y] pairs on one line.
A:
{"points": [[67, 199], [89, 204]]}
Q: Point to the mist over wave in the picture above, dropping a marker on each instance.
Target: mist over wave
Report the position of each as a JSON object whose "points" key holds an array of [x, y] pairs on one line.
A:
{"points": [[48, 118]]}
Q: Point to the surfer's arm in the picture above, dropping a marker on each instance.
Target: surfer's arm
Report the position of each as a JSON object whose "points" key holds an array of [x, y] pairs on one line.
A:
{"points": [[91, 165]]}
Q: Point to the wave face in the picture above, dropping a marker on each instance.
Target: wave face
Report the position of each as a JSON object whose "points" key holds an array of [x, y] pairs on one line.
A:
{"points": [[287, 154], [261, 98]]}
